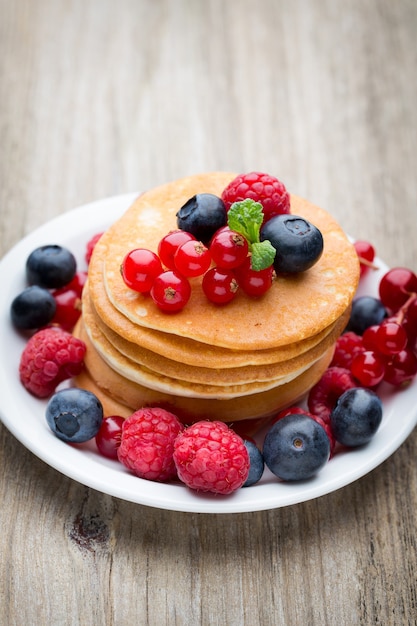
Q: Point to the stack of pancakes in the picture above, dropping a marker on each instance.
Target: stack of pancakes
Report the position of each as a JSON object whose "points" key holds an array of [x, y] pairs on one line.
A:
{"points": [[240, 362]]}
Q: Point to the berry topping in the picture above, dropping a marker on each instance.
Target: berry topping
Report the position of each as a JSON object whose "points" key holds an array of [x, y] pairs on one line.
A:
{"points": [[228, 249], [50, 266], [169, 244], [202, 215], [51, 356], [298, 243], [109, 436], [33, 308], [210, 456], [263, 188], [192, 259], [170, 291], [139, 269], [147, 443], [254, 283], [74, 415], [220, 286], [356, 417], [296, 447], [323, 396]]}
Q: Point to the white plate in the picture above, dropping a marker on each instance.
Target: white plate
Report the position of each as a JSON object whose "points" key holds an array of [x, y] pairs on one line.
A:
{"points": [[24, 415]]}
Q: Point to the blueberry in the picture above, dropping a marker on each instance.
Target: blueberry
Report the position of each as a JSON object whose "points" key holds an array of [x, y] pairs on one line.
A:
{"points": [[296, 447], [298, 243], [356, 417], [50, 266], [257, 464], [202, 215], [33, 308], [366, 311], [74, 415]]}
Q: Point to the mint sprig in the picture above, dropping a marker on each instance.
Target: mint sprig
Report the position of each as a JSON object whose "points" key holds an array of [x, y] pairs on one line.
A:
{"points": [[246, 217]]}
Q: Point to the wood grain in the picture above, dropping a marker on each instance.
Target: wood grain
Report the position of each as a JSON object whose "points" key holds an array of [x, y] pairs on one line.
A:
{"points": [[101, 98]]}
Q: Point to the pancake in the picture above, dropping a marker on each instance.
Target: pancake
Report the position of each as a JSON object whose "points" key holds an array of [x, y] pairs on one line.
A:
{"points": [[294, 308], [165, 375], [189, 351], [125, 393]]}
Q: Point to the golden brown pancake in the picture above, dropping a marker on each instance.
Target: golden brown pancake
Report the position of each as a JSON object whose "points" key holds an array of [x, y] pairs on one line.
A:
{"points": [[193, 352], [134, 396], [294, 308], [167, 375]]}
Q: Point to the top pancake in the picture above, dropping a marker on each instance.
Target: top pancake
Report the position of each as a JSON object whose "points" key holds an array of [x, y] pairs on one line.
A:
{"points": [[295, 308]]}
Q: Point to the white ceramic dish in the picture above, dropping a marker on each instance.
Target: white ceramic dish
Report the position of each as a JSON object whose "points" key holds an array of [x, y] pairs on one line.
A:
{"points": [[23, 415]]}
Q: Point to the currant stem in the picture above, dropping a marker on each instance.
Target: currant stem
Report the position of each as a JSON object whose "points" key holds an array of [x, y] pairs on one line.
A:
{"points": [[402, 312], [369, 264]]}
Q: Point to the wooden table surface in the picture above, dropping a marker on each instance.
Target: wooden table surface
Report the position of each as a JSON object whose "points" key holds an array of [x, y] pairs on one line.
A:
{"points": [[100, 98]]}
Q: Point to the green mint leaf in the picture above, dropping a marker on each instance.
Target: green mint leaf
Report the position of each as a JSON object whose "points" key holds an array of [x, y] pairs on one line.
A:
{"points": [[263, 255], [246, 217]]}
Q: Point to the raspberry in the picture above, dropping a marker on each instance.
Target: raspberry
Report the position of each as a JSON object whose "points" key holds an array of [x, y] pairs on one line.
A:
{"points": [[263, 188], [210, 456], [324, 395], [347, 347], [147, 443], [51, 356]]}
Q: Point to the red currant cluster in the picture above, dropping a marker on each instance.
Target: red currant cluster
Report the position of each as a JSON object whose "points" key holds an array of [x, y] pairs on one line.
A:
{"points": [[224, 265], [386, 351]]}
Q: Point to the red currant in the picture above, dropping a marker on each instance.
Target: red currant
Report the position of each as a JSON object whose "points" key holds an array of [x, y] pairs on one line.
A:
{"points": [[396, 287], [78, 282], [192, 259], [369, 340], [368, 368], [228, 248], [68, 308], [390, 338], [90, 247], [402, 368], [109, 436], [169, 244], [170, 291], [366, 255], [139, 269], [220, 285], [254, 283]]}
